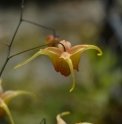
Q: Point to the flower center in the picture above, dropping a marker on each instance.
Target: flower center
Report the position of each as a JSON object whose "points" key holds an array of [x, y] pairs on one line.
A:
{"points": [[66, 44]]}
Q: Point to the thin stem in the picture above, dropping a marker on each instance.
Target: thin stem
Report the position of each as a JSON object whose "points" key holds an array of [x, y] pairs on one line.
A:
{"points": [[9, 46], [36, 48], [43, 120], [42, 26]]}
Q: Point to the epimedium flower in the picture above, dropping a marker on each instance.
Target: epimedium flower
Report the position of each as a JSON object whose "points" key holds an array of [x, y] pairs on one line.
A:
{"points": [[61, 121], [64, 57], [5, 98]]}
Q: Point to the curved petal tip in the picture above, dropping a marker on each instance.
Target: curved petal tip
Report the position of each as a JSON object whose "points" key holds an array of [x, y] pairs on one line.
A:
{"points": [[69, 62], [97, 48], [72, 88], [100, 52], [65, 113], [28, 60]]}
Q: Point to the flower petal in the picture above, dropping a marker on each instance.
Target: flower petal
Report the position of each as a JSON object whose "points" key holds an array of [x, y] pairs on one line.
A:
{"points": [[6, 109], [76, 52], [52, 52], [69, 62], [64, 67], [8, 95], [59, 119], [25, 62], [65, 44], [72, 72], [82, 48]]}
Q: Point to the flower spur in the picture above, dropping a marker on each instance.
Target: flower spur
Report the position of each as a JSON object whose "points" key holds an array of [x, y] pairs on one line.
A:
{"points": [[5, 98], [64, 60]]}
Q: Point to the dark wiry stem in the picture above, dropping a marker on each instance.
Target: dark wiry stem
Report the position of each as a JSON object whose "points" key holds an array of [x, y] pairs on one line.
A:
{"points": [[36, 48], [42, 26], [10, 45], [43, 120]]}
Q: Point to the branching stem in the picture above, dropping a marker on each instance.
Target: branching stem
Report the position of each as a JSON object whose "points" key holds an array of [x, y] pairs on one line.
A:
{"points": [[10, 45]]}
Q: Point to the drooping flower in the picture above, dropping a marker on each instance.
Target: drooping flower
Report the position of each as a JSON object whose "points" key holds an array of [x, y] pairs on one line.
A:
{"points": [[64, 57], [61, 121], [5, 98]]}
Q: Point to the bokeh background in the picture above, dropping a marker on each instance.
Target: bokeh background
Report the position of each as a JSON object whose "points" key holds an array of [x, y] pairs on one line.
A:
{"points": [[97, 97]]}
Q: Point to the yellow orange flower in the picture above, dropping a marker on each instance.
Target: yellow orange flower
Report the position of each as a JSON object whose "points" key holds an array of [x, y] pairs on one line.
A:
{"points": [[64, 60], [61, 121], [5, 98]]}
